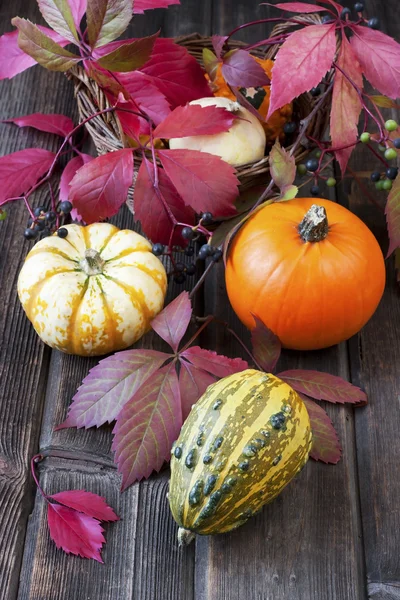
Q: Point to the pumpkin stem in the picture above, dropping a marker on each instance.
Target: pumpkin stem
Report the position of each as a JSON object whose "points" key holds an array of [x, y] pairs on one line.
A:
{"points": [[92, 264], [185, 536], [314, 227]]}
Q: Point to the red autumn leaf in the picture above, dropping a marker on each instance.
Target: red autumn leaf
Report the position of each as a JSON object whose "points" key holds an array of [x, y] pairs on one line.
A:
{"points": [[58, 14], [240, 69], [176, 73], [210, 361], [13, 59], [301, 63], [195, 120], [392, 212], [100, 187], [139, 6], [346, 104], [299, 7], [266, 346], [109, 385], [75, 532], [379, 56], [326, 445], [147, 426], [282, 166], [128, 56], [90, 504], [218, 42], [204, 181], [146, 94], [323, 386], [106, 80], [152, 207], [19, 171], [50, 123], [171, 323], [193, 382], [69, 171], [107, 20]]}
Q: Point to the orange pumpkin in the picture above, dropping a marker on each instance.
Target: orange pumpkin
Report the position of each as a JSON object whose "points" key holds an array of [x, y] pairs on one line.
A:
{"points": [[314, 273]]}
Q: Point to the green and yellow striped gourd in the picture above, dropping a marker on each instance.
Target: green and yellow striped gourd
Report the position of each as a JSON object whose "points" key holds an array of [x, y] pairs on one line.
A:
{"points": [[244, 440]]}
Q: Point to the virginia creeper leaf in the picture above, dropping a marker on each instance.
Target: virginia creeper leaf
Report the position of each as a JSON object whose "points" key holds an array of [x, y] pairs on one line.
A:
{"points": [[266, 346], [240, 69], [109, 385], [326, 445], [335, 5], [75, 532], [282, 166], [298, 7], [129, 56], [379, 57], [90, 504], [392, 212], [323, 386], [171, 323], [50, 123], [68, 173], [147, 426], [301, 63], [20, 170], [42, 48], [100, 187], [107, 20], [216, 364], [346, 104], [139, 6], [384, 102], [288, 192], [195, 120], [204, 181], [146, 94], [193, 382], [218, 42], [106, 80], [58, 15]]}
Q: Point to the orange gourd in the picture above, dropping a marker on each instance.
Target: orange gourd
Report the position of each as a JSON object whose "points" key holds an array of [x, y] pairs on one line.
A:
{"points": [[310, 269]]}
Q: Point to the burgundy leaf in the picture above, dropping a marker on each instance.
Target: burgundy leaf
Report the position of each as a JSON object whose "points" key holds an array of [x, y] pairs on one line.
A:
{"points": [[152, 206], [282, 165], [204, 181], [172, 322], [107, 20], [109, 386], [19, 171], [50, 123], [69, 172], [193, 119], [379, 56], [346, 103], [85, 502], [301, 63], [216, 364], [129, 56], [266, 346], [240, 69], [139, 6], [326, 445], [58, 15], [75, 532], [218, 42], [100, 187], [193, 382], [131, 124], [146, 94], [299, 7], [323, 386], [392, 212], [147, 427]]}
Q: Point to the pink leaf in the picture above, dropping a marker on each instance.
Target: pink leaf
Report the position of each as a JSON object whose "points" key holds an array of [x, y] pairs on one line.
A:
{"points": [[75, 532], [100, 187], [240, 69], [50, 123], [204, 181], [302, 61], [107, 20], [326, 445], [152, 207], [109, 385], [218, 42], [146, 94], [193, 382], [346, 103], [172, 322], [392, 212], [379, 56], [85, 502], [147, 427], [78, 8], [216, 364], [19, 171], [13, 59], [69, 172], [139, 6], [266, 346], [176, 73], [282, 165], [323, 386], [299, 7], [195, 120]]}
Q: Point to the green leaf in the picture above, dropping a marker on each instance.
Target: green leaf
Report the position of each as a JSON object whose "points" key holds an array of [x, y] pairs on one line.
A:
{"points": [[107, 20], [211, 63], [392, 212], [129, 56], [384, 102], [326, 445], [58, 15], [282, 165], [289, 192], [42, 48]]}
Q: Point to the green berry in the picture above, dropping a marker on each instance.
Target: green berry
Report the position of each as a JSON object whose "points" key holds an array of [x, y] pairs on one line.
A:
{"points": [[365, 137], [331, 182], [381, 148], [391, 125], [3, 215], [318, 154], [379, 185], [301, 169], [390, 154], [387, 184]]}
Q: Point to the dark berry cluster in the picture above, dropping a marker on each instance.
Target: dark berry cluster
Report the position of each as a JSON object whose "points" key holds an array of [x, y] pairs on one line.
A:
{"points": [[44, 222]]}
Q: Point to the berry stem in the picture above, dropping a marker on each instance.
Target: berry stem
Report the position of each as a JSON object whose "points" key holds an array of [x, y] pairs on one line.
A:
{"points": [[207, 321], [378, 156], [269, 20], [364, 188], [34, 460], [305, 122], [28, 206], [200, 281]]}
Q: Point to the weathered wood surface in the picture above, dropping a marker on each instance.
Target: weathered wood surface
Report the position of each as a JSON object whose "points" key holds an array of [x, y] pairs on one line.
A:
{"points": [[332, 535]]}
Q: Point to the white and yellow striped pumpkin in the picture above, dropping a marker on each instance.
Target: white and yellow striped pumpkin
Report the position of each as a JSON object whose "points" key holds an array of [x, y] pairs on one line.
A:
{"points": [[94, 291]]}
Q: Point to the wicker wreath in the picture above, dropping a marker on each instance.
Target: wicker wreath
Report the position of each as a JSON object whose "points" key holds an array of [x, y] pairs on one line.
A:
{"points": [[106, 131]]}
